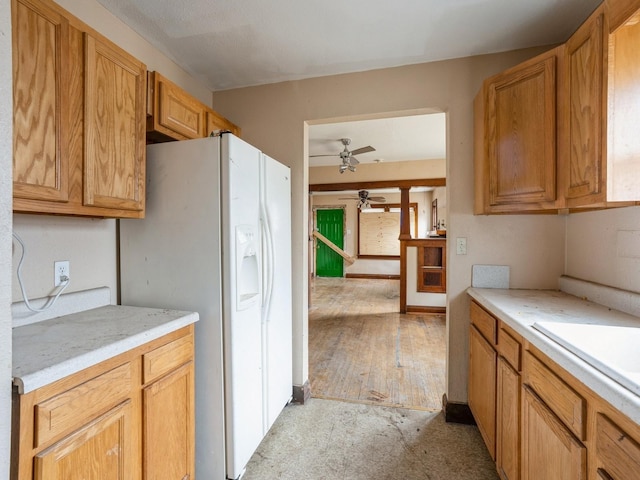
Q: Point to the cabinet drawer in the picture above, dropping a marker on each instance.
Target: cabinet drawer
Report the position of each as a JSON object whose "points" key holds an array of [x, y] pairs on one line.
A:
{"points": [[559, 397], [509, 348], [164, 359], [618, 454], [484, 322], [69, 410]]}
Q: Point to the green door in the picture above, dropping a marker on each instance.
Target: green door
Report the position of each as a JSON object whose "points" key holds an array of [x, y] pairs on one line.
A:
{"points": [[330, 224]]}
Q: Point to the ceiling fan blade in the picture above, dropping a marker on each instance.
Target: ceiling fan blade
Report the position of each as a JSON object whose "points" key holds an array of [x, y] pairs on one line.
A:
{"points": [[354, 161], [326, 155], [348, 198], [366, 149], [378, 199]]}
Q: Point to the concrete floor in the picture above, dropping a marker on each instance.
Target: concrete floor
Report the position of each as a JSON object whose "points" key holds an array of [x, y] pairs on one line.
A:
{"points": [[331, 440]]}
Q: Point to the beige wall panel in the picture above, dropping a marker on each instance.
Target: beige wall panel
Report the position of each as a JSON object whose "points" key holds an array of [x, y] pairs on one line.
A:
{"points": [[604, 247]]}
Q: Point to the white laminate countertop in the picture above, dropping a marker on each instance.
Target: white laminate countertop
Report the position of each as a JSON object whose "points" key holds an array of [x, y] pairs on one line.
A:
{"points": [[520, 309], [47, 351]]}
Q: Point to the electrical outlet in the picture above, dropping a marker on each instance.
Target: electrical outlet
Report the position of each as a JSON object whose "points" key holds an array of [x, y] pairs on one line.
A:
{"points": [[61, 273], [461, 246]]}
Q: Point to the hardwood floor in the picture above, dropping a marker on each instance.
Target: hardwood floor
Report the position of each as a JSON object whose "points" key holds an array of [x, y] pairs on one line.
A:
{"points": [[362, 350]]}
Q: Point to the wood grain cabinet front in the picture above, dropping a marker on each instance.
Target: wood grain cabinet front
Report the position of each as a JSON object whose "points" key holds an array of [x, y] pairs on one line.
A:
{"points": [[482, 387], [600, 154], [40, 101], [100, 450], [79, 140], [508, 404], [105, 422], [549, 450], [515, 130], [173, 114]]}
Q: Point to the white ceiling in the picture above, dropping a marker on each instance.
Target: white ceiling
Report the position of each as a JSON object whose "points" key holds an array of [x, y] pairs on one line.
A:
{"points": [[236, 43]]}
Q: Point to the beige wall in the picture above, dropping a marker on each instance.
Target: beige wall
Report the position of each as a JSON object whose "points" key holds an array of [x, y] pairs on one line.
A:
{"points": [[6, 116], [275, 118], [604, 247]]}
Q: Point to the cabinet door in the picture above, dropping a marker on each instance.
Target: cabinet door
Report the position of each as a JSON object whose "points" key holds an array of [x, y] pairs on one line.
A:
{"points": [[98, 451], [169, 427], [40, 102], [508, 422], [114, 127], [549, 450], [521, 134], [482, 387], [179, 112], [432, 268], [583, 131]]}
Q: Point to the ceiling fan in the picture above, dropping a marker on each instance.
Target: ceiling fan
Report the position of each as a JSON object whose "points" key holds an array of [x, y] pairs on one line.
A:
{"points": [[349, 161], [364, 199]]}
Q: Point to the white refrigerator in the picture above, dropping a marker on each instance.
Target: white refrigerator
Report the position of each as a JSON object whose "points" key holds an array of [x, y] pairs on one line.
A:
{"points": [[216, 239]]}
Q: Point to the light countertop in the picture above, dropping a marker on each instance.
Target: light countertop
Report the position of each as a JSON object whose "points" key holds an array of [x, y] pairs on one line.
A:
{"points": [[47, 351], [520, 309]]}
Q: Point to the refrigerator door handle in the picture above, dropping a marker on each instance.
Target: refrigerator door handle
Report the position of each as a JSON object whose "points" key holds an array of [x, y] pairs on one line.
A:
{"points": [[268, 270]]}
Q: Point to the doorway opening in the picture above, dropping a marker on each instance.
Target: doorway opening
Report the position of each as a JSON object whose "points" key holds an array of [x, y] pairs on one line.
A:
{"points": [[361, 348]]}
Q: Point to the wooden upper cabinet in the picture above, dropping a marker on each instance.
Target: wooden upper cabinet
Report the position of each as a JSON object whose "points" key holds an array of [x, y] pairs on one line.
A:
{"points": [[173, 114], [581, 133], [623, 141], [600, 157], [40, 99], [515, 158], [79, 132], [217, 123], [114, 169]]}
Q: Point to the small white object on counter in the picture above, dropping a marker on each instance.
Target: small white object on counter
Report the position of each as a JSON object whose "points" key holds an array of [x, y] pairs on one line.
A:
{"points": [[490, 276], [47, 351]]}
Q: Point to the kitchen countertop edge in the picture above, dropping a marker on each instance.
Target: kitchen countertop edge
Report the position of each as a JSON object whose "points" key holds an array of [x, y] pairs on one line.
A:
{"points": [[31, 380], [618, 396]]}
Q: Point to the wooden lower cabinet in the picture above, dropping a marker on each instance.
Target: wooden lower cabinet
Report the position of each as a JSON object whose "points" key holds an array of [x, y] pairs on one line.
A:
{"points": [[617, 453], [508, 422], [102, 449], [482, 387], [105, 422], [169, 426], [549, 450], [538, 421]]}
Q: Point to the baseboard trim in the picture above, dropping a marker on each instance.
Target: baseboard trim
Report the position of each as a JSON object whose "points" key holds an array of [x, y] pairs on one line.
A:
{"points": [[424, 309], [302, 393], [457, 412], [372, 276]]}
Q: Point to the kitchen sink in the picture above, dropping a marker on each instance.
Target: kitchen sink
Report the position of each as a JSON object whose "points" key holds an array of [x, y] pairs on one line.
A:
{"points": [[613, 350]]}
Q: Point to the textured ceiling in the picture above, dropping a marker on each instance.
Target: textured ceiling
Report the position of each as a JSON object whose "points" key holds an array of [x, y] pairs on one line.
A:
{"points": [[237, 43]]}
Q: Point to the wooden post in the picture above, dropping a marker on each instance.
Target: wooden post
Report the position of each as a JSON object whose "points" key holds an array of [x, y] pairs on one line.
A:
{"points": [[405, 220], [403, 276]]}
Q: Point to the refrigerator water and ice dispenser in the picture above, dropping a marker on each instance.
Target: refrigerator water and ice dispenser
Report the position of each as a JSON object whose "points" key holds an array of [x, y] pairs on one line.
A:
{"points": [[247, 267]]}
